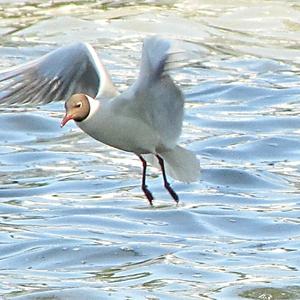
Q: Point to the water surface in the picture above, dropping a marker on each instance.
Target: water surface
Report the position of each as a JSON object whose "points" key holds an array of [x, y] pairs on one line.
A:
{"points": [[74, 223]]}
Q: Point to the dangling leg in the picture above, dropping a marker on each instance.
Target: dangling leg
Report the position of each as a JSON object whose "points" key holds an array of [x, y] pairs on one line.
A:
{"points": [[166, 183], [147, 193]]}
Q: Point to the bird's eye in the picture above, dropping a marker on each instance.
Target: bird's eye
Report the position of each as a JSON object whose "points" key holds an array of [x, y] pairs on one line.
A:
{"points": [[78, 105]]}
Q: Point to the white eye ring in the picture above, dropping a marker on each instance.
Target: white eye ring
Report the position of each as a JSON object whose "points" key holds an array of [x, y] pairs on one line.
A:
{"points": [[79, 104]]}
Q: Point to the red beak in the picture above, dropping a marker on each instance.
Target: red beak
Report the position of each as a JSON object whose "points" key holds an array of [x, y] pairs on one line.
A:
{"points": [[65, 120]]}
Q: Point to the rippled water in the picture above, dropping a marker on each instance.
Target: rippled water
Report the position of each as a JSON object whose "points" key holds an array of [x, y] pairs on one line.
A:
{"points": [[74, 222]]}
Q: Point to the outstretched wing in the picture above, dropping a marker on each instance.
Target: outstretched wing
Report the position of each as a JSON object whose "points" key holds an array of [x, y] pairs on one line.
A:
{"points": [[157, 97], [56, 76]]}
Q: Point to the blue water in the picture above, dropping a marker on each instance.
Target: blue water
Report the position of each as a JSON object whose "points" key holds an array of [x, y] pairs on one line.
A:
{"points": [[74, 223]]}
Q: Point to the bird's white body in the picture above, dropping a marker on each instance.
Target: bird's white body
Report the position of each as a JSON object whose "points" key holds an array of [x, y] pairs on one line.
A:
{"points": [[112, 122]]}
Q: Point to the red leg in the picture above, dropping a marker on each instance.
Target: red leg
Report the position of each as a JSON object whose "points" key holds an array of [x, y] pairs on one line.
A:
{"points": [[147, 193], [166, 183]]}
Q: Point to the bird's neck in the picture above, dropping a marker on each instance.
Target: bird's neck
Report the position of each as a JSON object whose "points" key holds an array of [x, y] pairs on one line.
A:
{"points": [[98, 117]]}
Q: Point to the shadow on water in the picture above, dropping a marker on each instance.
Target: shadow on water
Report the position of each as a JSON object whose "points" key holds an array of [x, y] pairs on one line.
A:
{"points": [[74, 223]]}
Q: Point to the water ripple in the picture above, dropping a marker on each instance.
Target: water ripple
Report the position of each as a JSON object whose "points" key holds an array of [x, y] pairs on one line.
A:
{"points": [[73, 221]]}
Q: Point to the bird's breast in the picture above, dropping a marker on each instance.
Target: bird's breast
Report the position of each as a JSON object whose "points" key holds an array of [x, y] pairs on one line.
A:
{"points": [[121, 131]]}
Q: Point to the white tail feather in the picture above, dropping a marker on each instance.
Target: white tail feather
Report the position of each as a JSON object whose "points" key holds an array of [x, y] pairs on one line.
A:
{"points": [[180, 164]]}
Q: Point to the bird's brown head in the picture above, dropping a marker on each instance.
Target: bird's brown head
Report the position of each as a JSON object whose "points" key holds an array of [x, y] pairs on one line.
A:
{"points": [[77, 108]]}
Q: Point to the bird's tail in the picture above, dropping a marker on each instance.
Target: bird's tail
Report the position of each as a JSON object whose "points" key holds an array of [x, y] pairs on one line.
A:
{"points": [[180, 164]]}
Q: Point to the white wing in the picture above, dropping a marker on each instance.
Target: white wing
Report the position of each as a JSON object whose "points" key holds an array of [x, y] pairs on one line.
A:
{"points": [[159, 101], [56, 76]]}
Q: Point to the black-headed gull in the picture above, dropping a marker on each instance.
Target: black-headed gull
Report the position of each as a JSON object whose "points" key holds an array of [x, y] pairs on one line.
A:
{"points": [[146, 119]]}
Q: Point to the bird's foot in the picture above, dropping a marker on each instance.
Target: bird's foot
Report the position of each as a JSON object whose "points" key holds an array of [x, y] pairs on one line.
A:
{"points": [[172, 192], [148, 194]]}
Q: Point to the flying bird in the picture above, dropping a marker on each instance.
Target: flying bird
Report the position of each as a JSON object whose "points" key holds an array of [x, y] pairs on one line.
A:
{"points": [[146, 119]]}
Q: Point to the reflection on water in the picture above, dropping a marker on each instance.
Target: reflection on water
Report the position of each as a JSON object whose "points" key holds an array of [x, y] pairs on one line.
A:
{"points": [[272, 293], [73, 221]]}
